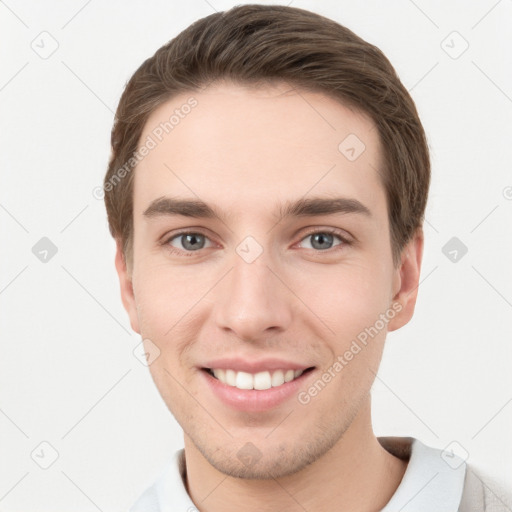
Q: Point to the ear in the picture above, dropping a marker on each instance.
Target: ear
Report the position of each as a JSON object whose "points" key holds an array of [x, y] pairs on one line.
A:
{"points": [[125, 281], [406, 281]]}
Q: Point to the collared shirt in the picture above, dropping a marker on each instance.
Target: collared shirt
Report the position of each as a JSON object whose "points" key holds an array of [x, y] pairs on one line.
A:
{"points": [[433, 481]]}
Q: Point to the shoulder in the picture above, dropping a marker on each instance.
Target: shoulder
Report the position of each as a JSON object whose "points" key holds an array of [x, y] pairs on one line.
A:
{"points": [[481, 493]]}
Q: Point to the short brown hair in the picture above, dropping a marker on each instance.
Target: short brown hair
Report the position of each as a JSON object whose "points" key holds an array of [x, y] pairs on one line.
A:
{"points": [[257, 44]]}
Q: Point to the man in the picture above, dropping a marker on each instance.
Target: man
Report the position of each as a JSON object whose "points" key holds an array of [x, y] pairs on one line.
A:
{"points": [[266, 192]]}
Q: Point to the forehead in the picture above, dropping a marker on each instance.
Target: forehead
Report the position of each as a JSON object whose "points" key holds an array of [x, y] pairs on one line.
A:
{"points": [[249, 146]]}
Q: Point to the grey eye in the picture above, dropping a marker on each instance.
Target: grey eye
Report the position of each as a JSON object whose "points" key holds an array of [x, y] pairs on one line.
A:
{"points": [[321, 240], [189, 241]]}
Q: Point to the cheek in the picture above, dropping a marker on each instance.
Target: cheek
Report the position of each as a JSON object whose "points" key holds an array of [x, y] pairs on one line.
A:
{"points": [[164, 296], [171, 310], [348, 297]]}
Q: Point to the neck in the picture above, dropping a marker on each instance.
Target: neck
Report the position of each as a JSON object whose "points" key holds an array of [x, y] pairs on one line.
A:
{"points": [[357, 473]]}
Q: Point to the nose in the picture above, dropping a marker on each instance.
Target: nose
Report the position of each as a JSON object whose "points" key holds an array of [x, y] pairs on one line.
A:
{"points": [[252, 302]]}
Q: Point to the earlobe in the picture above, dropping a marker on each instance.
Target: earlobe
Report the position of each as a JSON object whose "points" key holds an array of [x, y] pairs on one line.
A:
{"points": [[126, 286], [407, 279]]}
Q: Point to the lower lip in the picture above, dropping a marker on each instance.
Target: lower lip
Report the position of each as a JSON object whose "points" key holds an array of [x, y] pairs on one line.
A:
{"points": [[253, 400]]}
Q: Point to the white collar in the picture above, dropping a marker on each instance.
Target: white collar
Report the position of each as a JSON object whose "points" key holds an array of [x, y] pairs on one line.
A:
{"points": [[433, 480]]}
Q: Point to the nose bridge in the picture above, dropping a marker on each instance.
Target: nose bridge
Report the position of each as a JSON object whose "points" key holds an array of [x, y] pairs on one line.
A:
{"points": [[252, 300]]}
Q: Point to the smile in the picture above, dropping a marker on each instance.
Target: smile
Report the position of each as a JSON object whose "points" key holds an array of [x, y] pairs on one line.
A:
{"points": [[259, 381]]}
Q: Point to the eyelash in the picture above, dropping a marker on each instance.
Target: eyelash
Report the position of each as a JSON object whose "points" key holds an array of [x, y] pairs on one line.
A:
{"points": [[330, 231]]}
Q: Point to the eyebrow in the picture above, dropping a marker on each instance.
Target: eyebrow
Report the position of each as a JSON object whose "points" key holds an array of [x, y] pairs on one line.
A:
{"points": [[169, 206]]}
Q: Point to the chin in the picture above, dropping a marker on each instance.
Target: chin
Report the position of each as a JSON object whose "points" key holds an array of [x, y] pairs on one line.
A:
{"points": [[277, 459]]}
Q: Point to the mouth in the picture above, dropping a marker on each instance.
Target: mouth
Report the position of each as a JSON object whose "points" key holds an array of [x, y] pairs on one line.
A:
{"points": [[259, 381]]}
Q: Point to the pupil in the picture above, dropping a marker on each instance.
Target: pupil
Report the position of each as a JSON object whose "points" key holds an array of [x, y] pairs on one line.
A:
{"points": [[192, 241], [319, 239]]}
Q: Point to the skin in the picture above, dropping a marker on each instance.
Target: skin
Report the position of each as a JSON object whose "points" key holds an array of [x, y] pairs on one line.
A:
{"points": [[247, 150]]}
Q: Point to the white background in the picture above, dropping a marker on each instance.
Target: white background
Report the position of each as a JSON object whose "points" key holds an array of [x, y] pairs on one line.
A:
{"points": [[68, 375]]}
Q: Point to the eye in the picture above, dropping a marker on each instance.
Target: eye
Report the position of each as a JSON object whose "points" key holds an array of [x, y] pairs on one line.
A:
{"points": [[188, 242], [324, 240]]}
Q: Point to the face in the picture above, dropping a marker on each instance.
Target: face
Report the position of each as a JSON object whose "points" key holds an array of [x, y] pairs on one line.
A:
{"points": [[262, 272]]}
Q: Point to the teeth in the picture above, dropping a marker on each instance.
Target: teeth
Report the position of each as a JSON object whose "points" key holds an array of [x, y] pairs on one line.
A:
{"points": [[277, 378], [289, 375], [230, 378], [260, 381], [244, 381], [220, 374]]}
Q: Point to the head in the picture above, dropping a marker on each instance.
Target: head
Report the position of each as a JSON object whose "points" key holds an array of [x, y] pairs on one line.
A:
{"points": [[266, 191]]}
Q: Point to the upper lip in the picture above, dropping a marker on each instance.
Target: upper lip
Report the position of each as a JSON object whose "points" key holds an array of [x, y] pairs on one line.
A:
{"points": [[254, 366]]}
